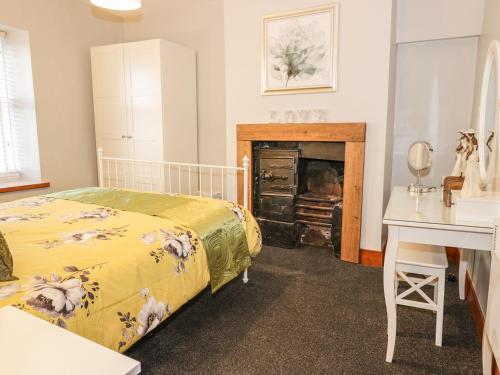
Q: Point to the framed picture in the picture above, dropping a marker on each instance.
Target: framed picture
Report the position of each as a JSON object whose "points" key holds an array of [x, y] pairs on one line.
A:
{"points": [[299, 51]]}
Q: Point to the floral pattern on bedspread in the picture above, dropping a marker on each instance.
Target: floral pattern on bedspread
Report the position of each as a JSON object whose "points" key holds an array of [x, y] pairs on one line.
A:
{"points": [[152, 313], [23, 217], [109, 275], [99, 214], [86, 237], [178, 243], [30, 202]]}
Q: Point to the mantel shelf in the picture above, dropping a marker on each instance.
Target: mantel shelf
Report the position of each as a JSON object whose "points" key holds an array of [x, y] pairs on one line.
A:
{"points": [[319, 132]]}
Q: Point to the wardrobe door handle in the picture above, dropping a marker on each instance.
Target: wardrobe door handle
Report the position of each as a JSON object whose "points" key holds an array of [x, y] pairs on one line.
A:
{"points": [[124, 136], [129, 137]]}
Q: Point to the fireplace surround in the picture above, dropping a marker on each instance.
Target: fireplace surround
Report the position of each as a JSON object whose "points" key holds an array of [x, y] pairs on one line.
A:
{"points": [[350, 136]]}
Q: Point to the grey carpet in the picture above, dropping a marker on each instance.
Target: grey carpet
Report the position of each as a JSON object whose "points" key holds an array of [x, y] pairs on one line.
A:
{"points": [[306, 312]]}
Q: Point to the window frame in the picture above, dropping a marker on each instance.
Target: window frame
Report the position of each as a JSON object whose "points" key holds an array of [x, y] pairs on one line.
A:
{"points": [[9, 171]]}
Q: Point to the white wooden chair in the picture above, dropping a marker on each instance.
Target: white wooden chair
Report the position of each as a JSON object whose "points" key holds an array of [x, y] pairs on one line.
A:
{"points": [[420, 265]]}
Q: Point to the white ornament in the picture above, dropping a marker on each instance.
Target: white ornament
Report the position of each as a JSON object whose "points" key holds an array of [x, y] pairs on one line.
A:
{"points": [[472, 181], [459, 168], [290, 117], [273, 117], [303, 115]]}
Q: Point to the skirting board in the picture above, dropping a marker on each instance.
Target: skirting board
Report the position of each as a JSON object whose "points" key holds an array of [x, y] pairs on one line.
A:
{"points": [[477, 314], [372, 258], [474, 306], [375, 258]]}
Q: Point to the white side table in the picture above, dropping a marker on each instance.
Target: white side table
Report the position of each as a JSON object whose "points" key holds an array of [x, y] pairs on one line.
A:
{"points": [[30, 345], [423, 219]]}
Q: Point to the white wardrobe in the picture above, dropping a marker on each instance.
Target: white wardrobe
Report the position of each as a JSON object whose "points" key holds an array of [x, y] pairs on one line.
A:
{"points": [[145, 101]]}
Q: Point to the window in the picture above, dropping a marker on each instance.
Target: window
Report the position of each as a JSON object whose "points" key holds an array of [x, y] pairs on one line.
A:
{"points": [[8, 168], [19, 156]]}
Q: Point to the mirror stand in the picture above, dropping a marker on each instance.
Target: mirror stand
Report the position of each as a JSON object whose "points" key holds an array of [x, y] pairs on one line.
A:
{"points": [[418, 188]]}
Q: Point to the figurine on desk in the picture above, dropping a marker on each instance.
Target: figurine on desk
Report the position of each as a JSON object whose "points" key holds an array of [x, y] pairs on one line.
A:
{"points": [[465, 175], [461, 151], [472, 177]]}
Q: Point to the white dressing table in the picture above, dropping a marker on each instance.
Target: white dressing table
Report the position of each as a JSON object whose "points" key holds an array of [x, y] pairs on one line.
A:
{"points": [[423, 219]]}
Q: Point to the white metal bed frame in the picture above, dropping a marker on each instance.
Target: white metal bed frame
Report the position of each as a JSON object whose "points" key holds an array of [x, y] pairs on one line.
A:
{"points": [[172, 169]]}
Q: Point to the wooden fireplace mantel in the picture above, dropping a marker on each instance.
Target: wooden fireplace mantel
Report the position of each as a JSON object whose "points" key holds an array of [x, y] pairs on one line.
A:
{"points": [[353, 134]]}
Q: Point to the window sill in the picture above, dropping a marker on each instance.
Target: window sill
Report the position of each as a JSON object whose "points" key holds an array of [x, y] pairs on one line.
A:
{"points": [[9, 187]]}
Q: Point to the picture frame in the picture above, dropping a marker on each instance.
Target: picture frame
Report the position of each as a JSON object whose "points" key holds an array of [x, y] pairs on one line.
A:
{"points": [[300, 51]]}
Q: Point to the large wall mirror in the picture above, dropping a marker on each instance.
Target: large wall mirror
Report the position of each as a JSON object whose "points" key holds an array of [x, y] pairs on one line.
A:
{"points": [[488, 115]]}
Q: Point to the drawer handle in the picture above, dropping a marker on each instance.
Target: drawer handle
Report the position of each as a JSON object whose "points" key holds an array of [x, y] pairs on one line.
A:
{"points": [[269, 176]]}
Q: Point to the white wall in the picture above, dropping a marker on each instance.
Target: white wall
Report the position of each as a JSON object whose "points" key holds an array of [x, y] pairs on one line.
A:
{"points": [[61, 33], [435, 80], [61, 69], [63, 91], [197, 24], [434, 94], [363, 77], [391, 110], [438, 19]]}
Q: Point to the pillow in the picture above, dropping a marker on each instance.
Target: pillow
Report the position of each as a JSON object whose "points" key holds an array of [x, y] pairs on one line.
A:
{"points": [[6, 264]]}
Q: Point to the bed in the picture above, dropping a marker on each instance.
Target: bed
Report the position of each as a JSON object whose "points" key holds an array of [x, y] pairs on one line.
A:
{"points": [[111, 264]]}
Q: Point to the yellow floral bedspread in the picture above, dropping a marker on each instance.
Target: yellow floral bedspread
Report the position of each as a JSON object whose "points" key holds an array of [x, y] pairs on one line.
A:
{"points": [[111, 276]]}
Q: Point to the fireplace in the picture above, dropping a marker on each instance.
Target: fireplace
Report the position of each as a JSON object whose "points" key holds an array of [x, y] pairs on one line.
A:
{"points": [[297, 196], [319, 203], [307, 183]]}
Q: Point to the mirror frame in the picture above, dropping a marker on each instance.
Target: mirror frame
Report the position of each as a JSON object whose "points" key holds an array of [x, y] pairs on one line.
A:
{"points": [[430, 155], [493, 55]]}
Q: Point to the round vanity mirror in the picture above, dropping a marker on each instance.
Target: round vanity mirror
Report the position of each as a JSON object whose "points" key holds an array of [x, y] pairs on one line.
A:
{"points": [[420, 159], [488, 113]]}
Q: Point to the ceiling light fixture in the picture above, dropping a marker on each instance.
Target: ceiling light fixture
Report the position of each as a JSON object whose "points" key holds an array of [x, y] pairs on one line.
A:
{"points": [[118, 4]]}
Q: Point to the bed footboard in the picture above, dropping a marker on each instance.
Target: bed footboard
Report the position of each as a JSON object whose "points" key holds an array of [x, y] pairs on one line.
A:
{"points": [[166, 177]]}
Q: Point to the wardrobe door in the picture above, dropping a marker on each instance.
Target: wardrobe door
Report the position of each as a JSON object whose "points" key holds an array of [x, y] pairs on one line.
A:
{"points": [[144, 110], [110, 107]]}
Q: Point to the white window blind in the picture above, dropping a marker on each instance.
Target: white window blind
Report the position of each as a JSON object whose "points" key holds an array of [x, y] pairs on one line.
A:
{"points": [[8, 168]]}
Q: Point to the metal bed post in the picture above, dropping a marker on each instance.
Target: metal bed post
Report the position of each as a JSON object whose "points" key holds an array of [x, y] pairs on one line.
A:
{"points": [[99, 167], [245, 200]]}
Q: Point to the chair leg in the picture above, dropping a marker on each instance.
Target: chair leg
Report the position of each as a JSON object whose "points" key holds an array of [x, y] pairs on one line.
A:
{"points": [[436, 289], [440, 310]]}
